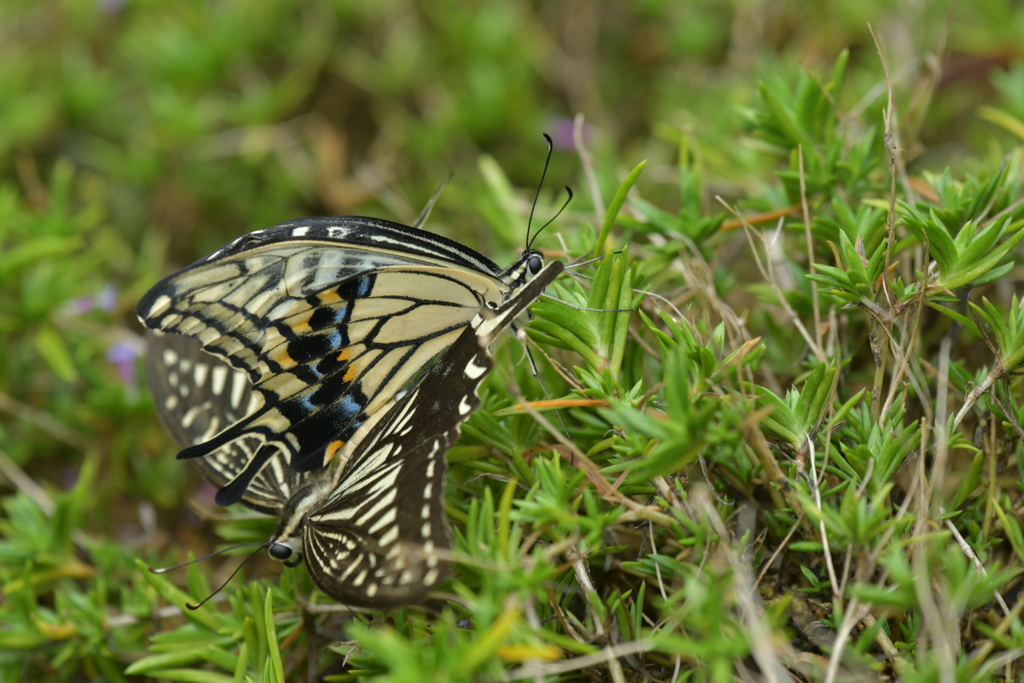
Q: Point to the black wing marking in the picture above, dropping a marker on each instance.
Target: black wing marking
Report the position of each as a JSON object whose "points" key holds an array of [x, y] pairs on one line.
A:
{"points": [[378, 535]]}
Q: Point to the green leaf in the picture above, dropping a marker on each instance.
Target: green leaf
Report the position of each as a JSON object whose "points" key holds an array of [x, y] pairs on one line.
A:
{"points": [[970, 481], [54, 350], [277, 668], [190, 676], [613, 210], [204, 618], [152, 662], [1012, 530]]}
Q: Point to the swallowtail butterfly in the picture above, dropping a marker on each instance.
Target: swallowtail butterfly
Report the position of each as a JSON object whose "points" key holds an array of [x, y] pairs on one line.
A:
{"points": [[328, 318], [373, 531]]}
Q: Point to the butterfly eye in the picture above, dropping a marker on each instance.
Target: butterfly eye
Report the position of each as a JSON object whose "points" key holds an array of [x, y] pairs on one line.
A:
{"points": [[280, 551], [535, 264]]}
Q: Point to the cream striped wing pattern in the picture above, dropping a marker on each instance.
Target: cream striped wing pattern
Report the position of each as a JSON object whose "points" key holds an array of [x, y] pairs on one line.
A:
{"points": [[375, 534], [328, 318]]}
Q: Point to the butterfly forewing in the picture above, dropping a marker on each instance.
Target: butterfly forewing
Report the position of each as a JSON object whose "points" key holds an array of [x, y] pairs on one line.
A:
{"points": [[196, 395], [377, 536], [329, 318]]}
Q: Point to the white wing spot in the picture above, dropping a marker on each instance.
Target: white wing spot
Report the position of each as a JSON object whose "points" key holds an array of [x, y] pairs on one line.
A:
{"points": [[425, 530], [171, 402], [170, 357], [190, 416], [474, 371], [358, 581], [238, 386], [199, 373], [464, 407], [300, 232], [219, 378]]}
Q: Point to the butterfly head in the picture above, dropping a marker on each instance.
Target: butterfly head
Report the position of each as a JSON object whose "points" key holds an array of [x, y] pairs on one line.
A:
{"points": [[525, 268], [286, 550], [286, 545]]}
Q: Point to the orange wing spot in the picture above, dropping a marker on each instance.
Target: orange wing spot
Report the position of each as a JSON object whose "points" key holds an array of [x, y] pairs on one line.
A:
{"points": [[329, 297], [299, 323], [344, 355], [332, 450], [280, 356], [351, 373]]}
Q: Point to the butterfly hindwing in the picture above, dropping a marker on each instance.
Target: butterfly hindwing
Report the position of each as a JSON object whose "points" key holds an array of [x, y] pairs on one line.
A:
{"points": [[196, 394], [378, 536]]}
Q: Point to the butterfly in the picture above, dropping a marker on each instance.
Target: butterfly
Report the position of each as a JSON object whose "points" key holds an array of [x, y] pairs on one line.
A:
{"points": [[328, 318], [373, 532]]}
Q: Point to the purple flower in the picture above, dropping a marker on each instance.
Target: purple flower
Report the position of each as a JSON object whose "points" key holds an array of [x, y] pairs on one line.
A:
{"points": [[104, 300], [80, 305], [560, 129], [122, 355]]}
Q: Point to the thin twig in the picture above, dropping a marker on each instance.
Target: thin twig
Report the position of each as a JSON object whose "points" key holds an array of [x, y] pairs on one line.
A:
{"points": [[794, 318], [966, 548], [43, 420], [821, 524], [530, 669], [26, 484], [778, 550], [579, 567], [810, 246]]}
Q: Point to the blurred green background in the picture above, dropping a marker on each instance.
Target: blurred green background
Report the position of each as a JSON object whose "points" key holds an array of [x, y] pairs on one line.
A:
{"points": [[136, 136]]}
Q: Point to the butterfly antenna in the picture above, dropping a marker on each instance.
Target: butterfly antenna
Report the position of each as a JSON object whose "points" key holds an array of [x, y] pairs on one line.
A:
{"points": [[237, 569], [164, 570], [536, 197], [555, 217], [425, 213]]}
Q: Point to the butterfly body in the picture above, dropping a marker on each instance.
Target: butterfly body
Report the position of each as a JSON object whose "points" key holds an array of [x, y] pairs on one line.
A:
{"points": [[329, 318]]}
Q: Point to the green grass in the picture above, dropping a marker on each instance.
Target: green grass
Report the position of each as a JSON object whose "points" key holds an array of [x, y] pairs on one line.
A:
{"points": [[804, 452]]}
